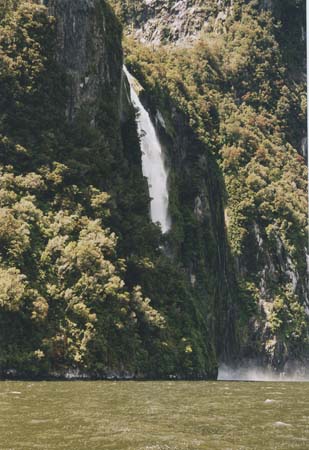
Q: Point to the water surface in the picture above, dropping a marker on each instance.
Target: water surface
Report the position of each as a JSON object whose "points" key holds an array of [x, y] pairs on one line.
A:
{"points": [[154, 415]]}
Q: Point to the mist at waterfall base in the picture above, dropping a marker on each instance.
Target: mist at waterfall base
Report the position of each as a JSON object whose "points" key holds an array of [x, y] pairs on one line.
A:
{"points": [[153, 164], [252, 371]]}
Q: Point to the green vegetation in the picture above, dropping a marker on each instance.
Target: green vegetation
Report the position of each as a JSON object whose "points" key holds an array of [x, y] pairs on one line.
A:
{"points": [[84, 282], [239, 97], [77, 264]]}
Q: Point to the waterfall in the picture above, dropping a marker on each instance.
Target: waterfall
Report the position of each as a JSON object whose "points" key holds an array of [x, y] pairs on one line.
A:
{"points": [[153, 164]]}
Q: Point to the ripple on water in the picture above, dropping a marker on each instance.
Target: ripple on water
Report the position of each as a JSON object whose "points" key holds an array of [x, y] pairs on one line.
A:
{"points": [[269, 401], [159, 447], [39, 421], [281, 424]]}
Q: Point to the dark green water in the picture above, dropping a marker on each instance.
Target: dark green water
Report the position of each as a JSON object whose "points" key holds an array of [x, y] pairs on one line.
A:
{"points": [[154, 415]]}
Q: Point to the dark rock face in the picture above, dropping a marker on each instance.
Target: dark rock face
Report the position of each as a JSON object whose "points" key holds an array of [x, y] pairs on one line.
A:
{"points": [[89, 48], [198, 216], [273, 267]]}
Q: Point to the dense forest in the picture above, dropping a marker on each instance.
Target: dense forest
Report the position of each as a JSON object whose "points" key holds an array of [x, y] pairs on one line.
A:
{"points": [[88, 284]]}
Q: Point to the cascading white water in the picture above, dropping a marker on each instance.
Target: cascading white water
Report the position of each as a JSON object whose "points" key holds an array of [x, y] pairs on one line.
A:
{"points": [[153, 165]]}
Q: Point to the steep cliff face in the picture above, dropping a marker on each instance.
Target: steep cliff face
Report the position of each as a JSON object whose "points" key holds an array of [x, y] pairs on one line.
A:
{"points": [[257, 91], [89, 49], [198, 237], [197, 240], [183, 21], [159, 21], [81, 255], [257, 298], [87, 282]]}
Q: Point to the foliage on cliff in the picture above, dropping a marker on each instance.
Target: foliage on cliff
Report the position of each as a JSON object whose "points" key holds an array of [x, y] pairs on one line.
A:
{"points": [[78, 254], [239, 97], [77, 263]]}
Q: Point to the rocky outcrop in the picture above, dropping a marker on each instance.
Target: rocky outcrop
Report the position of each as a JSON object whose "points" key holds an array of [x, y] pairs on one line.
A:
{"points": [[276, 271], [183, 21], [89, 49], [158, 21]]}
